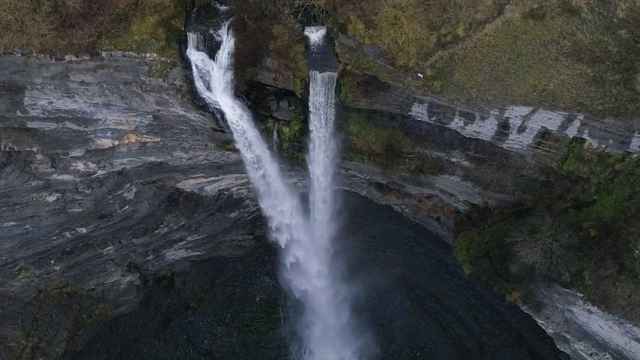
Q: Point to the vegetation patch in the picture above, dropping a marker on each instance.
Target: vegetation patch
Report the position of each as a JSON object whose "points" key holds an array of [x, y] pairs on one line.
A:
{"points": [[581, 230], [386, 146], [573, 55], [270, 29], [291, 135], [485, 255], [411, 31], [59, 319]]}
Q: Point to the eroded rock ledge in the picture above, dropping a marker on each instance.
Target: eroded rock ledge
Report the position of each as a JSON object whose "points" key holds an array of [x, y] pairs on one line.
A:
{"points": [[107, 177]]}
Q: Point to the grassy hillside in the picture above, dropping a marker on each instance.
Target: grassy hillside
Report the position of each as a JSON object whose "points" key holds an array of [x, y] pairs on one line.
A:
{"points": [[580, 55], [61, 27], [571, 54]]}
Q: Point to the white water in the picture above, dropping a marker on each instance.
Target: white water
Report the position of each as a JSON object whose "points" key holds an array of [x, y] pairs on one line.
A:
{"points": [[322, 160], [214, 82], [331, 328], [325, 326], [316, 35]]}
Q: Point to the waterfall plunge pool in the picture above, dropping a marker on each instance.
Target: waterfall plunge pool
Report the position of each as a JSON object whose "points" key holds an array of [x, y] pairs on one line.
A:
{"points": [[411, 293]]}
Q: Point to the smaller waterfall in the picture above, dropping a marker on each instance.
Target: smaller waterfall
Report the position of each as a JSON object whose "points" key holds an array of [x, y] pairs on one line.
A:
{"points": [[331, 330]]}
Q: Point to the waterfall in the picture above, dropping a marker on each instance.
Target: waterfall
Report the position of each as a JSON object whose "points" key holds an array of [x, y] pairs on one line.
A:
{"points": [[325, 327], [322, 157], [214, 81], [335, 329]]}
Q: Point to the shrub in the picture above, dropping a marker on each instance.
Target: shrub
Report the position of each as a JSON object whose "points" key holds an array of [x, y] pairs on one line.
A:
{"points": [[485, 255], [385, 146], [582, 231]]}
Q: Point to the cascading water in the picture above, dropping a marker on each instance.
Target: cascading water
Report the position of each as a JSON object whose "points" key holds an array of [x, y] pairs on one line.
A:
{"points": [[332, 327], [306, 245], [322, 147], [214, 82]]}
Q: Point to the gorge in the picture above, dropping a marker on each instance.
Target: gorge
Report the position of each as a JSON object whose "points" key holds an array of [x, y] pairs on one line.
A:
{"points": [[139, 197]]}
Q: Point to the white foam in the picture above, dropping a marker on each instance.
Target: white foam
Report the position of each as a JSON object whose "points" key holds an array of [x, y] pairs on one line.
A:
{"points": [[315, 34]]}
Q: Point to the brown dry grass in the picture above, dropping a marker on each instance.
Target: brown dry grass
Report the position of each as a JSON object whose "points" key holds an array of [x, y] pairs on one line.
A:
{"points": [[59, 27]]}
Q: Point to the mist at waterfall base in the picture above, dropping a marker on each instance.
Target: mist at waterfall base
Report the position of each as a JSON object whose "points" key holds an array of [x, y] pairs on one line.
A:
{"points": [[326, 328]]}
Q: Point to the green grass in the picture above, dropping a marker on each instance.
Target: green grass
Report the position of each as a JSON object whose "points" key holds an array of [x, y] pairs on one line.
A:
{"points": [[524, 61], [410, 31]]}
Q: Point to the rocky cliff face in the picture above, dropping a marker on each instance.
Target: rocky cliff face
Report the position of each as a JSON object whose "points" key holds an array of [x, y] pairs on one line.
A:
{"points": [[114, 185], [106, 175]]}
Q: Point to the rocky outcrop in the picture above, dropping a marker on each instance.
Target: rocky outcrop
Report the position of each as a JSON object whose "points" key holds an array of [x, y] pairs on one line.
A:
{"points": [[581, 329], [107, 177]]}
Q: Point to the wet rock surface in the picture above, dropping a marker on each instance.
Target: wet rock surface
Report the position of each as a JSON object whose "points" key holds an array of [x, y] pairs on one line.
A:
{"points": [[580, 329], [104, 179]]}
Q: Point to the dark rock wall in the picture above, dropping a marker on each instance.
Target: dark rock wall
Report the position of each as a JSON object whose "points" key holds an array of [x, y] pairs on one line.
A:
{"points": [[105, 175]]}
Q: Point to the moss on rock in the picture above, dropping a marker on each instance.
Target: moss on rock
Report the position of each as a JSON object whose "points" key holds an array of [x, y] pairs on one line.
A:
{"points": [[386, 146], [153, 26], [291, 135]]}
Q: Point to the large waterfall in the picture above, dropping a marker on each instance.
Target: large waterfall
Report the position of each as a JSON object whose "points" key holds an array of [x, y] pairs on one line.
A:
{"points": [[326, 325], [330, 325], [214, 81]]}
